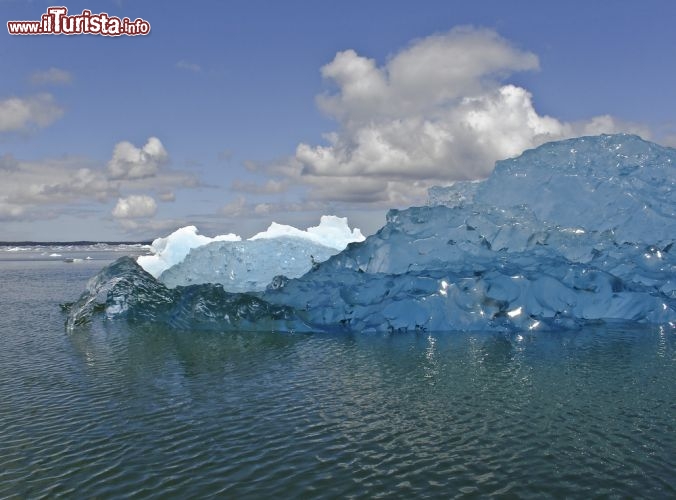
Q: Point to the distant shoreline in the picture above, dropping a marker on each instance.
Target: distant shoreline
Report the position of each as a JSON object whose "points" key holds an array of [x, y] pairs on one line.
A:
{"points": [[73, 243]]}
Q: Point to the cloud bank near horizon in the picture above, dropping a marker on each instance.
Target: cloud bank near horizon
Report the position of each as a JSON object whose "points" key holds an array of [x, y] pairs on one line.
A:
{"points": [[34, 190], [438, 110]]}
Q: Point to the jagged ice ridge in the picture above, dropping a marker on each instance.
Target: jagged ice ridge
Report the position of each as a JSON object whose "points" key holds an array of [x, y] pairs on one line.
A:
{"points": [[573, 231], [185, 257]]}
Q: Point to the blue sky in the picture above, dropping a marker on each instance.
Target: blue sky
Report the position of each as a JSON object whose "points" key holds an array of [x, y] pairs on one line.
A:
{"points": [[230, 115]]}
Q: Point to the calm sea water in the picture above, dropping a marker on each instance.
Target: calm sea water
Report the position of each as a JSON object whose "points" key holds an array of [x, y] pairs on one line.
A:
{"points": [[119, 412]]}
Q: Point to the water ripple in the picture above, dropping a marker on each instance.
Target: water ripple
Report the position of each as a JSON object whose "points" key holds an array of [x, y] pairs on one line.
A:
{"points": [[148, 413]]}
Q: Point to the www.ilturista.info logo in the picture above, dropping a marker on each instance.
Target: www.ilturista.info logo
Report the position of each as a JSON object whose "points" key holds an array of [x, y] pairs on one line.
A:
{"points": [[56, 21]]}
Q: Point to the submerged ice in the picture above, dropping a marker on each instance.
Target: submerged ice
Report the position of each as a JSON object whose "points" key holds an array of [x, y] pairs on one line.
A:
{"points": [[573, 231]]}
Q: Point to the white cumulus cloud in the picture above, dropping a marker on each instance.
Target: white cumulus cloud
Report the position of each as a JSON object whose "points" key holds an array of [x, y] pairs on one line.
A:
{"points": [[428, 73], [20, 114], [130, 162], [135, 206], [438, 111]]}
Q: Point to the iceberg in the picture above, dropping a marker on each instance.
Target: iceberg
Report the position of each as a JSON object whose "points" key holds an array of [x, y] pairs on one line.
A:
{"points": [[171, 250], [247, 266], [571, 232], [186, 258]]}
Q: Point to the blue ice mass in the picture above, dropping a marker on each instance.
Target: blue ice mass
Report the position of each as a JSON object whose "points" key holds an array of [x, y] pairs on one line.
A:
{"points": [[571, 232]]}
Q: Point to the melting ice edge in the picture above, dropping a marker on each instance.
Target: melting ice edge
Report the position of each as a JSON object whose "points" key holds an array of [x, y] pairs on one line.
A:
{"points": [[571, 232]]}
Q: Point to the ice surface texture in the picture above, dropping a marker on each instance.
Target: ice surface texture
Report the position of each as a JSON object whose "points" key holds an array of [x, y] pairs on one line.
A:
{"points": [[331, 233], [173, 249], [573, 231], [247, 266]]}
